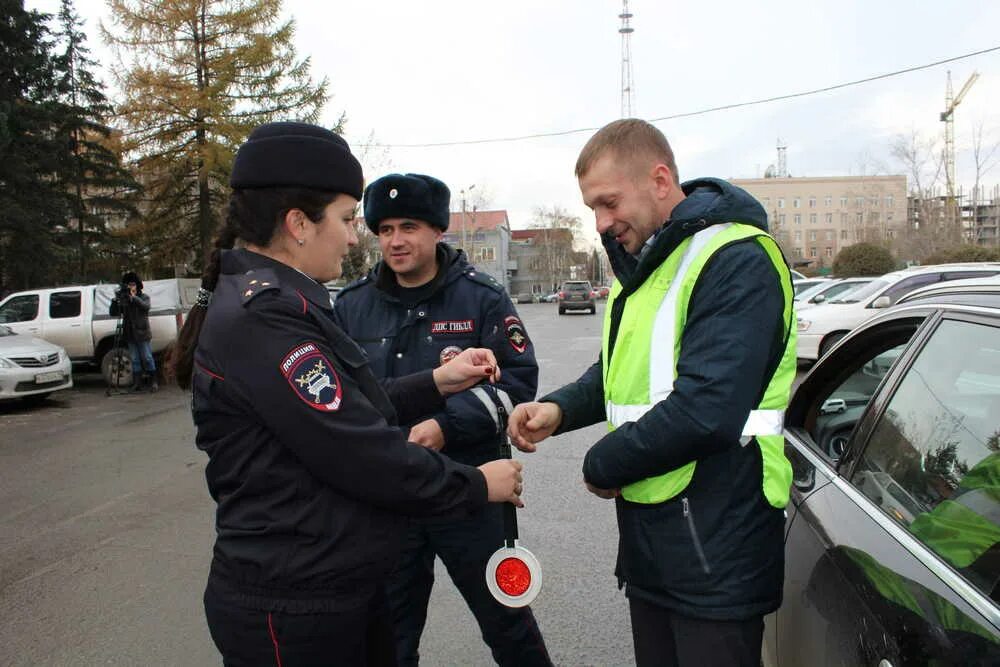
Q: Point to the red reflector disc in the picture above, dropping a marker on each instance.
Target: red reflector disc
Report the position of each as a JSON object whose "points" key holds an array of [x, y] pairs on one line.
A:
{"points": [[513, 576]]}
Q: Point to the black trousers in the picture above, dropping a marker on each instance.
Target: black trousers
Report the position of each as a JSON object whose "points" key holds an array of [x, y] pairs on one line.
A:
{"points": [[664, 638], [464, 546], [250, 638]]}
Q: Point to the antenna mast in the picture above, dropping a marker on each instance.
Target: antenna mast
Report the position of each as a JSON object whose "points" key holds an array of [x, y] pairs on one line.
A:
{"points": [[626, 31]]}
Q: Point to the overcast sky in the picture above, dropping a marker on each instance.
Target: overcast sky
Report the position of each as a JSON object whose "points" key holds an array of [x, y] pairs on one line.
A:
{"points": [[414, 72]]}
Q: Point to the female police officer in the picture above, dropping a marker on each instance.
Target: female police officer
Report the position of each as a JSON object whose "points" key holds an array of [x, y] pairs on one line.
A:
{"points": [[312, 478]]}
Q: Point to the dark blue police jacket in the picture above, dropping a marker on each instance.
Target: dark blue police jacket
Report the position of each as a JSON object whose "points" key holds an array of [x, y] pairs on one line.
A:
{"points": [[463, 308]]}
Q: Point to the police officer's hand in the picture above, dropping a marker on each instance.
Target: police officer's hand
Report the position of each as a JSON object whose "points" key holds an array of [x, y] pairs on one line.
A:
{"points": [[469, 368], [503, 481], [428, 434], [533, 422]]}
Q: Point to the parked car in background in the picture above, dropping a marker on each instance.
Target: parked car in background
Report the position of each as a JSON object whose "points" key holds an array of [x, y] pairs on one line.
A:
{"points": [[821, 327], [577, 295], [892, 534], [969, 290], [823, 292], [76, 319], [801, 286], [31, 368], [550, 298], [796, 276], [525, 297]]}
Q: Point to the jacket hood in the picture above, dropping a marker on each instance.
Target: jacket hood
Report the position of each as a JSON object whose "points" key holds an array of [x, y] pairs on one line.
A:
{"points": [[708, 201]]}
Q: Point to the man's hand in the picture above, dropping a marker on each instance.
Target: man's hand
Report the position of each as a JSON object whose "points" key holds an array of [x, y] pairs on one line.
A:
{"points": [[533, 422], [607, 494], [469, 368], [428, 434]]}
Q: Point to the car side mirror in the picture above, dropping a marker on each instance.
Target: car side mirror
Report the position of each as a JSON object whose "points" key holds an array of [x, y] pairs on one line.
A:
{"points": [[819, 298], [882, 302]]}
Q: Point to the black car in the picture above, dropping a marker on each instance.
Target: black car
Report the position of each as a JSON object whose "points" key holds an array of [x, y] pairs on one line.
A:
{"points": [[893, 532], [577, 295]]}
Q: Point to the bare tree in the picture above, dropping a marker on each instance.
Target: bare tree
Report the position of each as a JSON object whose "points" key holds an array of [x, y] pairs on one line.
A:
{"points": [[928, 227], [984, 154], [560, 229]]}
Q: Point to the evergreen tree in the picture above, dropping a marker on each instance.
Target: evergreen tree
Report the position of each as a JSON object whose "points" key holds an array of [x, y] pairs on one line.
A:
{"points": [[32, 203], [99, 187], [201, 75]]}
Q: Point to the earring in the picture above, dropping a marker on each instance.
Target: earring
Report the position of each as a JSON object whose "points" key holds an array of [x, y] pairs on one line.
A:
{"points": [[301, 242]]}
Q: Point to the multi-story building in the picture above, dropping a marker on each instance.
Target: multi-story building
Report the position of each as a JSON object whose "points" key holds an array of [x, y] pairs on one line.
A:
{"points": [[540, 259], [815, 218], [485, 238]]}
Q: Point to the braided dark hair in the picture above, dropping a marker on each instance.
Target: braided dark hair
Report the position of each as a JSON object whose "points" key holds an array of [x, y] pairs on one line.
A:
{"points": [[254, 216]]}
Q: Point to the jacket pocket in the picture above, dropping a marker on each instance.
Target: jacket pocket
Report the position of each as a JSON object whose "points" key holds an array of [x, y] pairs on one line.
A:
{"points": [[689, 519]]}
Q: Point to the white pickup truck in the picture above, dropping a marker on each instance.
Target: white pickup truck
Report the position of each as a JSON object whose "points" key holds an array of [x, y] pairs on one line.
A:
{"points": [[77, 319]]}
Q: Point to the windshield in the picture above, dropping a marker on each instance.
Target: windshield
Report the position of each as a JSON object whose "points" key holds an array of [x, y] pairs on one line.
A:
{"points": [[813, 290], [862, 293], [843, 290]]}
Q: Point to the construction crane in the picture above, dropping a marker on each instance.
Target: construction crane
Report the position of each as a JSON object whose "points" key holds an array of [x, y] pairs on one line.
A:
{"points": [[626, 79], [948, 118]]}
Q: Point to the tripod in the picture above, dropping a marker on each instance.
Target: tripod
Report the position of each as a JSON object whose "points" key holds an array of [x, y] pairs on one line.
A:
{"points": [[117, 354]]}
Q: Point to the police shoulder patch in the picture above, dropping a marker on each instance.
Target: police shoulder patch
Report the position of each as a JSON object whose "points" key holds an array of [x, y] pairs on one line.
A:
{"points": [[257, 281], [516, 335], [312, 377]]}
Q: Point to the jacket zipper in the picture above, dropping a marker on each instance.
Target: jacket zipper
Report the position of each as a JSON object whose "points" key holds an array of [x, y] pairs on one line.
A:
{"points": [[694, 536]]}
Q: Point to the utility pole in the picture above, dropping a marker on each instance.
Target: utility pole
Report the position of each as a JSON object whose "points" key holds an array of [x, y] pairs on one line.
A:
{"points": [[626, 31], [465, 246], [948, 117]]}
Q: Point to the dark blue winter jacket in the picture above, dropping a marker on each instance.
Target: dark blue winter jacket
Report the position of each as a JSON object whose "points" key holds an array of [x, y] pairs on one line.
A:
{"points": [[464, 308]]}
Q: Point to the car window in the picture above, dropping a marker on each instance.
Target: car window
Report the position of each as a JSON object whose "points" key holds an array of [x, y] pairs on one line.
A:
{"points": [[20, 309], [842, 289], [907, 285], [932, 462], [840, 409], [854, 296], [64, 304]]}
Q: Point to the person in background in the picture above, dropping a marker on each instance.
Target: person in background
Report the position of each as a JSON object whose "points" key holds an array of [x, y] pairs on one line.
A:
{"points": [[132, 305]]}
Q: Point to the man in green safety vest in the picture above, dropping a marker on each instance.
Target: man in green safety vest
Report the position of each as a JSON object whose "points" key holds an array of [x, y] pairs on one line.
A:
{"points": [[694, 374]]}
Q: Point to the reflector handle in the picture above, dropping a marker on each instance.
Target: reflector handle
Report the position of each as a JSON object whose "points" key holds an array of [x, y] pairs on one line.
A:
{"points": [[509, 510]]}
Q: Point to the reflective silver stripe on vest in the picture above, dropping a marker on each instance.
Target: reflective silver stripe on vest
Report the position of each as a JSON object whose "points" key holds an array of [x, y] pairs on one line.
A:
{"points": [[759, 422], [490, 406], [661, 354]]}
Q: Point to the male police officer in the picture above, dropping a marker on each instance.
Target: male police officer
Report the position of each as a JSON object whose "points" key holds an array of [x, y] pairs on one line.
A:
{"points": [[418, 308]]}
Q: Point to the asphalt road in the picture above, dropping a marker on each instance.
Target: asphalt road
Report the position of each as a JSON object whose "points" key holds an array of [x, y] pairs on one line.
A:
{"points": [[106, 531]]}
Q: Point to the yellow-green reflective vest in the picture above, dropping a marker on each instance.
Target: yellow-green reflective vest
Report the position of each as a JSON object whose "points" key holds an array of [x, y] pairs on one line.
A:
{"points": [[642, 370]]}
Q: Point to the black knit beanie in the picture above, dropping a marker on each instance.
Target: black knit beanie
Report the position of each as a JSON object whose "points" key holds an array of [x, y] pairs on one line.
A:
{"points": [[414, 196], [299, 155]]}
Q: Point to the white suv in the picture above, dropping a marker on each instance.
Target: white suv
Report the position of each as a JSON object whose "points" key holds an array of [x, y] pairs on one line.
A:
{"points": [[821, 327]]}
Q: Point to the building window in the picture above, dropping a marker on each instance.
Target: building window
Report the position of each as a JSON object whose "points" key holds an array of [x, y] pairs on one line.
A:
{"points": [[828, 201], [781, 202], [812, 202], [798, 234], [843, 202], [859, 218], [858, 233], [798, 252], [843, 234], [812, 218], [889, 201], [843, 218], [875, 201], [829, 218], [888, 217], [812, 251], [829, 235], [798, 218], [890, 233], [828, 251], [859, 202], [812, 236], [781, 218], [486, 254], [796, 203]]}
